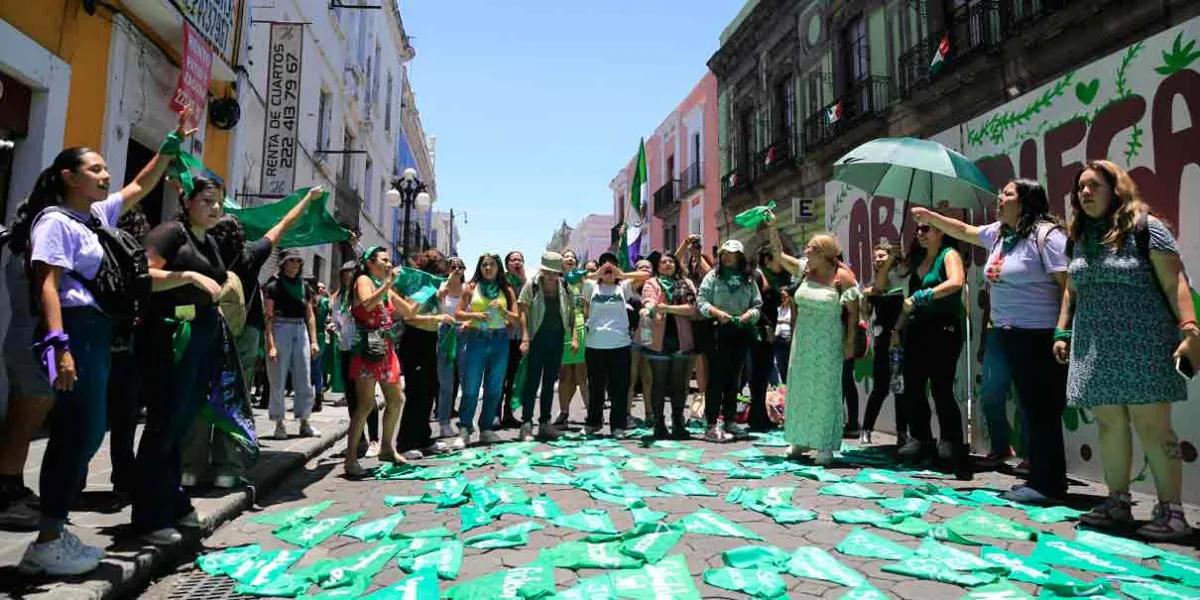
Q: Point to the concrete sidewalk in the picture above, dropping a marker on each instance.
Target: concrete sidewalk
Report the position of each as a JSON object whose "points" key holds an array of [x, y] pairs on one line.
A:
{"points": [[130, 564]]}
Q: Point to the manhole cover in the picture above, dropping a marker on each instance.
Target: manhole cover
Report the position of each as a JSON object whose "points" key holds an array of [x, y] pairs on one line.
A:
{"points": [[199, 585]]}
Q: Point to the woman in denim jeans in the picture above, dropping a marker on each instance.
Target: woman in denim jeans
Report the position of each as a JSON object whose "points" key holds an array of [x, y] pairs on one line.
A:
{"points": [[450, 348], [490, 306]]}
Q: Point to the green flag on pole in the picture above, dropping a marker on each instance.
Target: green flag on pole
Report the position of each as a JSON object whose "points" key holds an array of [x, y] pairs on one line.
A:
{"points": [[637, 193]]}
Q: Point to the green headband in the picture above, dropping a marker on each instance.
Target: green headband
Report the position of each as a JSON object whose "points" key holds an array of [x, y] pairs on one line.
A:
{"points": [[366, 256]]}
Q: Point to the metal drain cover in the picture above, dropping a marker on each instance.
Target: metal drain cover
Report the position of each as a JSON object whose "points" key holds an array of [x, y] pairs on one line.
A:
{"points": [[199, 585]]}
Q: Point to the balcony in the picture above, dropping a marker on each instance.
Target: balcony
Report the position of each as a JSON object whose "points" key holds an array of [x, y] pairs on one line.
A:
{"points": [[734, 180], [972, 29], [348, 204], [666, 197], [1020, 14], [775, 156], [693, 177], [867, 98]]}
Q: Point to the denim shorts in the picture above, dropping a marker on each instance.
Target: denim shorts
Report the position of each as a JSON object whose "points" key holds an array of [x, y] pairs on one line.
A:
{"points": [[27, 377]]}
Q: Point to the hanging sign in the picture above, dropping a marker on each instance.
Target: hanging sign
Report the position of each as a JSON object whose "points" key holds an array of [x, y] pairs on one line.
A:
{"points": [[195, 71], [283, 109]]}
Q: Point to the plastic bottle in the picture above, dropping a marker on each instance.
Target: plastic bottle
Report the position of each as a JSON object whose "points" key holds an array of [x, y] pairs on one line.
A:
{"points": [[897, 360], [646, 331]]}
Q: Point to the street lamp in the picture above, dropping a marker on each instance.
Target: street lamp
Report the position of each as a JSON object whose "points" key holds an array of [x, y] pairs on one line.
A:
{"points": [[407, 191]]}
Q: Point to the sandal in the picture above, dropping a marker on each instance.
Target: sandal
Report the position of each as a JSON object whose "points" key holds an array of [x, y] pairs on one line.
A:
{"points": [[1115, 511], [1167, 523], [354, 469]]}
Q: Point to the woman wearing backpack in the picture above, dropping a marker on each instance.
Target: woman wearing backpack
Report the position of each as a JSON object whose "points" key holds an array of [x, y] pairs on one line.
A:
{"points": [[75, 342], [1026, 273], [608, 356], [1126, 317]]}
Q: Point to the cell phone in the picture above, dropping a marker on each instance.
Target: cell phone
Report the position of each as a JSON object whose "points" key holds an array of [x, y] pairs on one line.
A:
{"points": [[1185, 368]]}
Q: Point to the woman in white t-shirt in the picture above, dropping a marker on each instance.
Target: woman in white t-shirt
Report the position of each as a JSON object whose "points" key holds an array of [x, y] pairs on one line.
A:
{"points": [[608, 354], [449, 297]]}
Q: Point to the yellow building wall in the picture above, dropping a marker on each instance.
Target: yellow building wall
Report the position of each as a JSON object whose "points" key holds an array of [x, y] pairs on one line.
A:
{"points": [[80, 40]]}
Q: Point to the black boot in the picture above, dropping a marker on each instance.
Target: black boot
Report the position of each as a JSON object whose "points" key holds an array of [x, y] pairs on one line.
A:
{"points": [[317, 404], [963, 469]]}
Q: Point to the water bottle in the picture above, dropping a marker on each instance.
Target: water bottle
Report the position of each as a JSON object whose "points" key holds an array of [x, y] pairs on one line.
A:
{"points": [[646, 331], [897, 359]]}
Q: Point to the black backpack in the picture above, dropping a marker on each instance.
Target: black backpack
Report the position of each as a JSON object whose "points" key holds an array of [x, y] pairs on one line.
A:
{"points": [[122, 283]]}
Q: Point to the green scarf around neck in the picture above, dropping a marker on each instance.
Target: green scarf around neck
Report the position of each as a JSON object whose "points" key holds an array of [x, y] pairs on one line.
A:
{"points": [[731, 277], [489, 289], [294, 287], [1094, 232], [668, 287]]}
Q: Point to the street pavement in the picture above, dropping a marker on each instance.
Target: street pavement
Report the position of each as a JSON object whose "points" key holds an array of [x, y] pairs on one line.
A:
{"points": [[322, 480], [100, 521]]}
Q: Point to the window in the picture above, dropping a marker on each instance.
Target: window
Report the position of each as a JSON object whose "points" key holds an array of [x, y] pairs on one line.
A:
{"points": [[671, 235], [785, 107], [857, 66], [347, 158], [324, 116], [387, 113], [696, 155], [374, 96], [670, 168], [745, 140], [369, 187]]}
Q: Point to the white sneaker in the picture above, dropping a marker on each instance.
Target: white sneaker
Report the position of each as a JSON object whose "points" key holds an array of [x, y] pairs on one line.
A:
{"points": [[437, 447], [307, 430], [488, 437], [464, 438], [618, 434], [280, 431], [447, 431], [526, 432], [58, 557], [74, 541], [735, 430], [226, 482], [191, 520], [189, 479], [372, 449], [166, 536], [824, 457], [413, 455], [910, 448]]}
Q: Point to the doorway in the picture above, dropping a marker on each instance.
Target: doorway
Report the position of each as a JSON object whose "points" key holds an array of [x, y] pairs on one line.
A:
{"points": [[152, 204]]}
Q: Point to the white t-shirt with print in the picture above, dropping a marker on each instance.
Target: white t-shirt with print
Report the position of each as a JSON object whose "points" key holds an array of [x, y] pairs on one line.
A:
{"points": [[608, 321]]}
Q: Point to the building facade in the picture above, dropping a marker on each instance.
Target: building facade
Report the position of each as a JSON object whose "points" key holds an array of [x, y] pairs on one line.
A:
{"points": [[415, 150], [589, 238], [444, 233], [1028, 88], [683, 183]]}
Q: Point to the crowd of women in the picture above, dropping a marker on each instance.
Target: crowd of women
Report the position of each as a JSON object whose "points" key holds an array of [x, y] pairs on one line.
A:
{"points": [[1090, 314]]}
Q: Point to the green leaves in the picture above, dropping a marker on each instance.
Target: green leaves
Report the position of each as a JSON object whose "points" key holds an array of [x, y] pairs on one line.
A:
{"points": [[1179, 58]]}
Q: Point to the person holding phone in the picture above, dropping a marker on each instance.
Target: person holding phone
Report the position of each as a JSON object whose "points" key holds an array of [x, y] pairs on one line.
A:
{"points": [[1126, 317]]}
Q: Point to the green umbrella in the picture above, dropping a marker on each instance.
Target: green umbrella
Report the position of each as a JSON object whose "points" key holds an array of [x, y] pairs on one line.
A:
{"points": [[916, 171]]}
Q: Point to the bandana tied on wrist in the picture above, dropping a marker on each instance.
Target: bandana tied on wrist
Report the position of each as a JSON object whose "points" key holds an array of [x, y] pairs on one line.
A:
{"points": [[55, 340]]}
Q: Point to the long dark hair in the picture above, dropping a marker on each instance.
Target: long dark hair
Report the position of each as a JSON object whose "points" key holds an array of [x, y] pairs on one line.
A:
{"points": [[362, 270], [916, 254], [501, 280], [48, 190], [1035, 206], [230, 238], [200, 184], [135, 223]]}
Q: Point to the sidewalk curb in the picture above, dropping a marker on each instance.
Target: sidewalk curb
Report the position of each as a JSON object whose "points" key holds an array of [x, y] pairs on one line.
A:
{"points": [[137, 569]]}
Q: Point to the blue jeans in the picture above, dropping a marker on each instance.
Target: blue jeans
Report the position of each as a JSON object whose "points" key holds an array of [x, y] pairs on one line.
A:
{"points": [[485, 362], [447, 373], [78, 419], [997, 384], [783, 353], [291, 346], [317, 370], [177, 392]]}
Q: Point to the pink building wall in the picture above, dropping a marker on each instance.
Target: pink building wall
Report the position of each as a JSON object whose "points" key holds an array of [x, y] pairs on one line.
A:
{"points": [[592, 237]]}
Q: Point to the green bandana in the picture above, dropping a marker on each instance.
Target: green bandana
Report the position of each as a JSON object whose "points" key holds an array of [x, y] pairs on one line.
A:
{"points": [[731, 277], [1094, 231], [293, 287], [514, 281], [1008, 239], [489, 289], [668, 287]]}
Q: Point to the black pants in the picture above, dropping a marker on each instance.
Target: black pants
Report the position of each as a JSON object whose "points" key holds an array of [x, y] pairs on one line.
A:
{"points": [[726, 361], [372, 428], [418, 356], [850, 394], [931, 349], [124, 405], [541, 371], [1042, 391], [510, 378], [669, 377], [881, 386], [762, 358], [608, 379]]}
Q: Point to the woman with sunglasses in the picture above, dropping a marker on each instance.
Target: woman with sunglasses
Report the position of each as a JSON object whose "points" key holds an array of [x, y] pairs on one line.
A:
{"points": [[514, 264], [450, 350], [931, 323], [489, 306]]}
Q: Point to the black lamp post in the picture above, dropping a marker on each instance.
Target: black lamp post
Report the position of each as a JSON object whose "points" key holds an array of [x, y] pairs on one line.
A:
{"points": [[407, 191]]}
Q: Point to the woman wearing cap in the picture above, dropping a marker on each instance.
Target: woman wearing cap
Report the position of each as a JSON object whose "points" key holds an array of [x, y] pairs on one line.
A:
{"points": [[547, 319], [489, 306], [343, 323], [374, 359], [668, 306], [608, 340], [729, 296], [291, 343], [573, 374], [450, 349]]}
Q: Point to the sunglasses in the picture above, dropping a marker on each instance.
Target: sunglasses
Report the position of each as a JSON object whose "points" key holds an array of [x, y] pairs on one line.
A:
{"points": [[458, 267]]}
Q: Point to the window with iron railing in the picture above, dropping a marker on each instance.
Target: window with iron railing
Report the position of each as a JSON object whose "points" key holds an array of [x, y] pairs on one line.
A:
{"points": [[693, 177]]}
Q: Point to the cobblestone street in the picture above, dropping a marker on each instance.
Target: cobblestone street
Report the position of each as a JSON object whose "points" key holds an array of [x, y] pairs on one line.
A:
{"points": [[651, 468]]}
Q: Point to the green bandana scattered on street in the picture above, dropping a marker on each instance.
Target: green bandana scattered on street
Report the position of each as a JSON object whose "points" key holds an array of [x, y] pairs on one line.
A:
{"points": [[864, 592], [718, 466], [472, 517], [1157, 590], [1112, 544], [782, 514], [651, 547], [989, 498], [1054, 550], [585, 555], [310, 533], [850, 490], [1020, 568], [670, 578], [759, 583], [447, 560], [884, 477], [432, 532], [1098, 589], [342, 572], [531, 581], [864, 544], [596, 460], [509, 537], [933, 569], [422, 585], [223, 562], [864, 516], [814, 563], [691, 455], [942, 533], [956, 559], [980, 523], [706, 522], [818, 474], [915, 507], [748, 453], [932, 493], [771, 558], [1053, 514], [679, 473], [643, 515], [355, 587], [284, 518], [375, 530], [771, 496], [265, 567], [284, 585], [1001, 590], [415, 547], [1187, 572], [686, 488], [588, 520]]}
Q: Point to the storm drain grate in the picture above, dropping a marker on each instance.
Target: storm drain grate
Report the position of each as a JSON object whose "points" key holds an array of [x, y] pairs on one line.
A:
{"points": [[199, 585]]}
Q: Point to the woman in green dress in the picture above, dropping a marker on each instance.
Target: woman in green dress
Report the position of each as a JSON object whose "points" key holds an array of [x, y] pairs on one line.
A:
{"points": [[574, 372]]}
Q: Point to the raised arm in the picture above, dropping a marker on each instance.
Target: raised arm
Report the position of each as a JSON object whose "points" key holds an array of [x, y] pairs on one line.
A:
{"points": [[950, 226], [277, 232], [790, 263], [154, 170]]}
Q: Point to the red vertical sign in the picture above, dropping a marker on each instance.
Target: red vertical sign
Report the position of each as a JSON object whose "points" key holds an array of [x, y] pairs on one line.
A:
{"points": [[194, 74]]}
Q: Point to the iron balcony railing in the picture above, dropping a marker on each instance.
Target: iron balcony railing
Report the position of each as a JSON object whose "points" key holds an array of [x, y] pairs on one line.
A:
{"points": [[734, 180], [1019, 14], [692, 178], [778, 154], [866, 98], [970, 30], [666, 196]]}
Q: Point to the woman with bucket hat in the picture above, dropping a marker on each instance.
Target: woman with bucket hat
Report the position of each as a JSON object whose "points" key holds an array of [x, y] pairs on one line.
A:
{"points": [[547, 319], [291, 342], [728, 296]]}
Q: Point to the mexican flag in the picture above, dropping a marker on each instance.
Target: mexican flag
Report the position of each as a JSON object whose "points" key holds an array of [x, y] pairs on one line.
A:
{"points": [[833, 114], [939, 57], [638, 184]]}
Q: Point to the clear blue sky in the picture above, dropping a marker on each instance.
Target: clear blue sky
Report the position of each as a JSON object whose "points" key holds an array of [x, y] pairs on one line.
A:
{"points": [[537, 104]]}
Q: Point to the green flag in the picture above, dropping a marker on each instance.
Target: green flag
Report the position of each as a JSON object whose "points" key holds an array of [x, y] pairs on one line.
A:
{"points": [[1054, 550], [418, 586], [315, 227], [637, 184]]}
